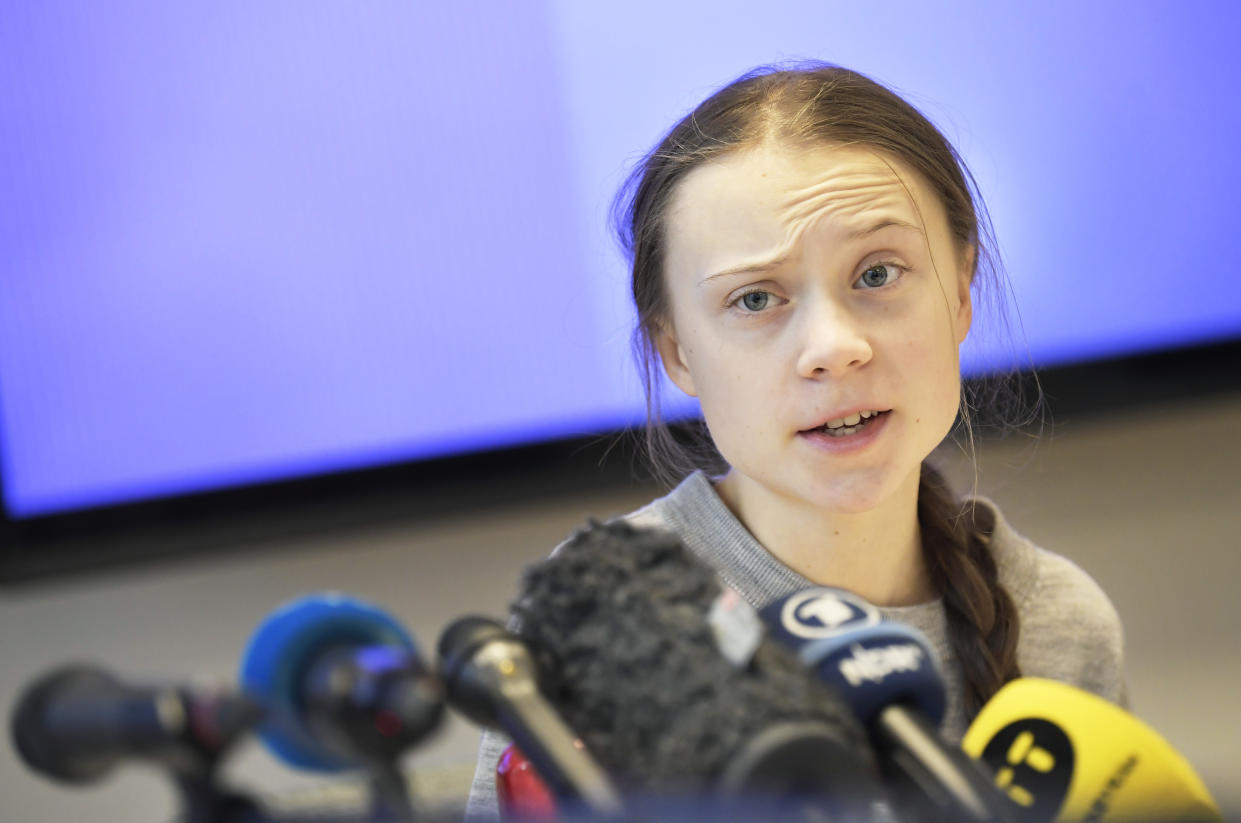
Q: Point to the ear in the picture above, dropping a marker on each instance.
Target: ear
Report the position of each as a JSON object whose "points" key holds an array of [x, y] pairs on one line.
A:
{"points": [[965, 304], [676, 366]]}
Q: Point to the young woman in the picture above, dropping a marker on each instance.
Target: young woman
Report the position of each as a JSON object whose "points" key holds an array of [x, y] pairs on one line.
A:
{"points": [[806, 252]]}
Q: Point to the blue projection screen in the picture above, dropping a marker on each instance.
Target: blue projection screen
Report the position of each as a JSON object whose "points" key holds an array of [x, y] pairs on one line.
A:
{"points": [[245, 242]]}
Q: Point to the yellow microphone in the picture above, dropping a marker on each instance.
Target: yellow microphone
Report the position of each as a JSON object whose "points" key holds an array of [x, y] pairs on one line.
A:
{"points": [[1062, 754]]}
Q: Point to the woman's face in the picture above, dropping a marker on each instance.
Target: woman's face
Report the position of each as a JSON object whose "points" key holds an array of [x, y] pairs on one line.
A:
{"points": [[808, 286]]}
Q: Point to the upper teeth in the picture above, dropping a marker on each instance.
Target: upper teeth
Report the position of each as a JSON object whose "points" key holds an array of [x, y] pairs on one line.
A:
{"points": [[851, 420]]}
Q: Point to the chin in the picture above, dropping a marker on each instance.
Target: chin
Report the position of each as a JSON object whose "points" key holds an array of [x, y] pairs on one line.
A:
{"points": [[855, 495], [863, 491]]}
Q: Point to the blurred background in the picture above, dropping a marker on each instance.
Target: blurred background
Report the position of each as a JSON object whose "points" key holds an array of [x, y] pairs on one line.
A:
{"points": [[302, 296]]}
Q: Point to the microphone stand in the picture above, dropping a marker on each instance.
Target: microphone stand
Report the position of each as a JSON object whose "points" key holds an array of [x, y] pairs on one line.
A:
{"points": [[205, 801]]}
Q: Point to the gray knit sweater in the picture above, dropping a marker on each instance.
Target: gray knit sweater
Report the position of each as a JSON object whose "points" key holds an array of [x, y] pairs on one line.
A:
{"points": [[1069, 630]]}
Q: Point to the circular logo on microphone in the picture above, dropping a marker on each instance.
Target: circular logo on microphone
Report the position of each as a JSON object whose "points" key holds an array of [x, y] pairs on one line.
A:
{"points": [[818, 613], [1033, 764]]}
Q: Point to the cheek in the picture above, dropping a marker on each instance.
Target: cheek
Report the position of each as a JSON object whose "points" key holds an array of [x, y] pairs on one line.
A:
{"points": [[724, 381], [946, 390], [927, 359], [732, 386]]}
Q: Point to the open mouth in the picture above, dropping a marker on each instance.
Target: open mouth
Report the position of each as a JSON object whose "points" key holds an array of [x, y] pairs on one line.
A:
{"points": [[849, 425]]}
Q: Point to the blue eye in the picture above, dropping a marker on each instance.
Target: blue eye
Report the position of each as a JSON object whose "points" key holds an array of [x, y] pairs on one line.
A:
{"points": [[755, 300], [880, 274]]}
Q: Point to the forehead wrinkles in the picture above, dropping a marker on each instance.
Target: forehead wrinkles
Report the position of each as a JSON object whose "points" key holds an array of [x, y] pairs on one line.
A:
{"points": [[846, 196], [758, 206]]}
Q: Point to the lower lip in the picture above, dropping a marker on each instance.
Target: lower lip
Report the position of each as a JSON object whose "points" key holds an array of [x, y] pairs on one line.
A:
{"points": [[851, 442]]}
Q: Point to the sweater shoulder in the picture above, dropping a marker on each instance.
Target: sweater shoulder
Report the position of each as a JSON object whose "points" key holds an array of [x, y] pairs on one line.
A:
{"points": [[1069, 630]]}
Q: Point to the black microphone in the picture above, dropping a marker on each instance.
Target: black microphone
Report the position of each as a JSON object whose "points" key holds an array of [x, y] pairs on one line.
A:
{"points": [[888, 673], [672, 685], [489, 676], [76, 723]]}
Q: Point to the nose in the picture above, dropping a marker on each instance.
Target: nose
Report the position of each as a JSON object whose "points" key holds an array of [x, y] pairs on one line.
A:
{"points": [[831, 341]]}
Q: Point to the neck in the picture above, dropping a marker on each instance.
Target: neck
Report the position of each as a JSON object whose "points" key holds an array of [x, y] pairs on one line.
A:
{"points": [[875, 554]]}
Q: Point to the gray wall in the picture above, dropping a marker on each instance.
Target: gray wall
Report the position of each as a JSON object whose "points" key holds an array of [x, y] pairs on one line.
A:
{"points": [[1148, 502]]}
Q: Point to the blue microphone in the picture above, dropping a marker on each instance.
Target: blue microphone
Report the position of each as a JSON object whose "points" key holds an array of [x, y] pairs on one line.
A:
{"points": [[343, 685], [888, 673], [872, 662]]}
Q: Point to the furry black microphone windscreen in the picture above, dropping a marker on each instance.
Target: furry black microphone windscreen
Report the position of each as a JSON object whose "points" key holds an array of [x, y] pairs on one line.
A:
{"points": [[618, 621]]}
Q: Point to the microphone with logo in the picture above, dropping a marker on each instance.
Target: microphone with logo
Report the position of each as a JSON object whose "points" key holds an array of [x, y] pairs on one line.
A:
{"points": [[1062, 754], [344, 687], [671, 683], [888, 674]]}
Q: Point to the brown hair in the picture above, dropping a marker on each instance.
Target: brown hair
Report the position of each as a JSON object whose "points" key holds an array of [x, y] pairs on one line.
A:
{"points": [[811, 104]]}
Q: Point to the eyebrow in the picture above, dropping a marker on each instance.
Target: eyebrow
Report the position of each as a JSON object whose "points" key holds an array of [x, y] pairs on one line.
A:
{"points": [[750, 268], [886, 224], [776, 262]]}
